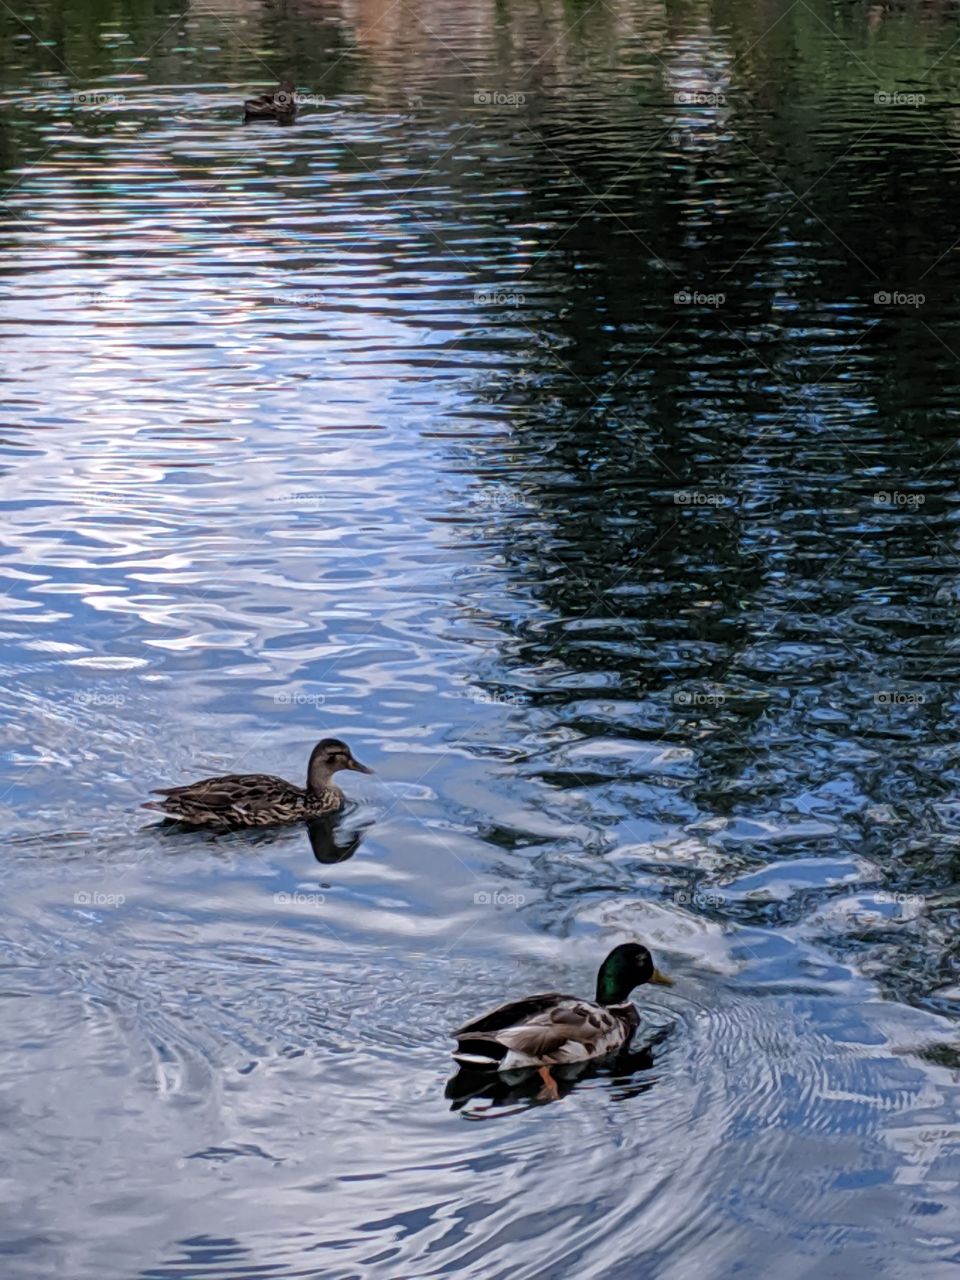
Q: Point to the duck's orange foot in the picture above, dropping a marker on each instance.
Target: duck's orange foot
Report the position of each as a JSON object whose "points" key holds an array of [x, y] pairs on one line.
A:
{"points": [[549, 1092]]}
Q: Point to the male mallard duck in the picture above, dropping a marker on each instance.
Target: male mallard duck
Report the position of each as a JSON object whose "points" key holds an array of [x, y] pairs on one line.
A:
{"points": [[280, 105], [544, 1031], [259, 799]]}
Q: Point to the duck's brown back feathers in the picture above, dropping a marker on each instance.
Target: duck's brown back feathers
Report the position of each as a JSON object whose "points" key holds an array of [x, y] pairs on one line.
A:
{"points": [[244, 800], [549, 1028]]}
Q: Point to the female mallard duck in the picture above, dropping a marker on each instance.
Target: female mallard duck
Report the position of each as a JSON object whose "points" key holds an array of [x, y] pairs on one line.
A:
{"points": [[544, 1031], [279, 105], [259, 799]]}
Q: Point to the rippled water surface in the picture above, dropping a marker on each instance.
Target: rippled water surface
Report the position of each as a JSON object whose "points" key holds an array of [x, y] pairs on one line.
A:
{"points": [[564, 410]]}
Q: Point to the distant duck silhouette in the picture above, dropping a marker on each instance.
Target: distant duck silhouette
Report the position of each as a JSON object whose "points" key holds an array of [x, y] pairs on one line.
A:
{"points": [[280, 105]]}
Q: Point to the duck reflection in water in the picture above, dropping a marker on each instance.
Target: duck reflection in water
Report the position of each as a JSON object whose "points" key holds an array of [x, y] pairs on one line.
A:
{"points": [[324, 841], [487, 1094], [332, 839]]}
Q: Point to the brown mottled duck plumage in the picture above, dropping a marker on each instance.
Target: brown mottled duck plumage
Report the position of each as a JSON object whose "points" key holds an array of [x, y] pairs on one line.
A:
{"points": [[260, 799]]}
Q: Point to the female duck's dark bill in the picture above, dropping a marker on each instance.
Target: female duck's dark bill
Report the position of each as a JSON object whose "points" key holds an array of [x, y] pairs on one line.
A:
{"points": [[357, 766]]}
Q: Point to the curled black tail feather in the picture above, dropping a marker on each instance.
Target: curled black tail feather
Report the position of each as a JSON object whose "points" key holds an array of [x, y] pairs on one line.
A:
{"points": [[479, 1052]]}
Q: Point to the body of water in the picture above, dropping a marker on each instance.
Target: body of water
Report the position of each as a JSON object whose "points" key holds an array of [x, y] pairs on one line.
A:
{"points": [[564, 411]]}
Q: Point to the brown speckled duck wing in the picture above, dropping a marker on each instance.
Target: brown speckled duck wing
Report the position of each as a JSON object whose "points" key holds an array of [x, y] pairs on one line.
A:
{"points": [[235, 799], [568, 1033], [514, 1011], [569, 1030]]}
